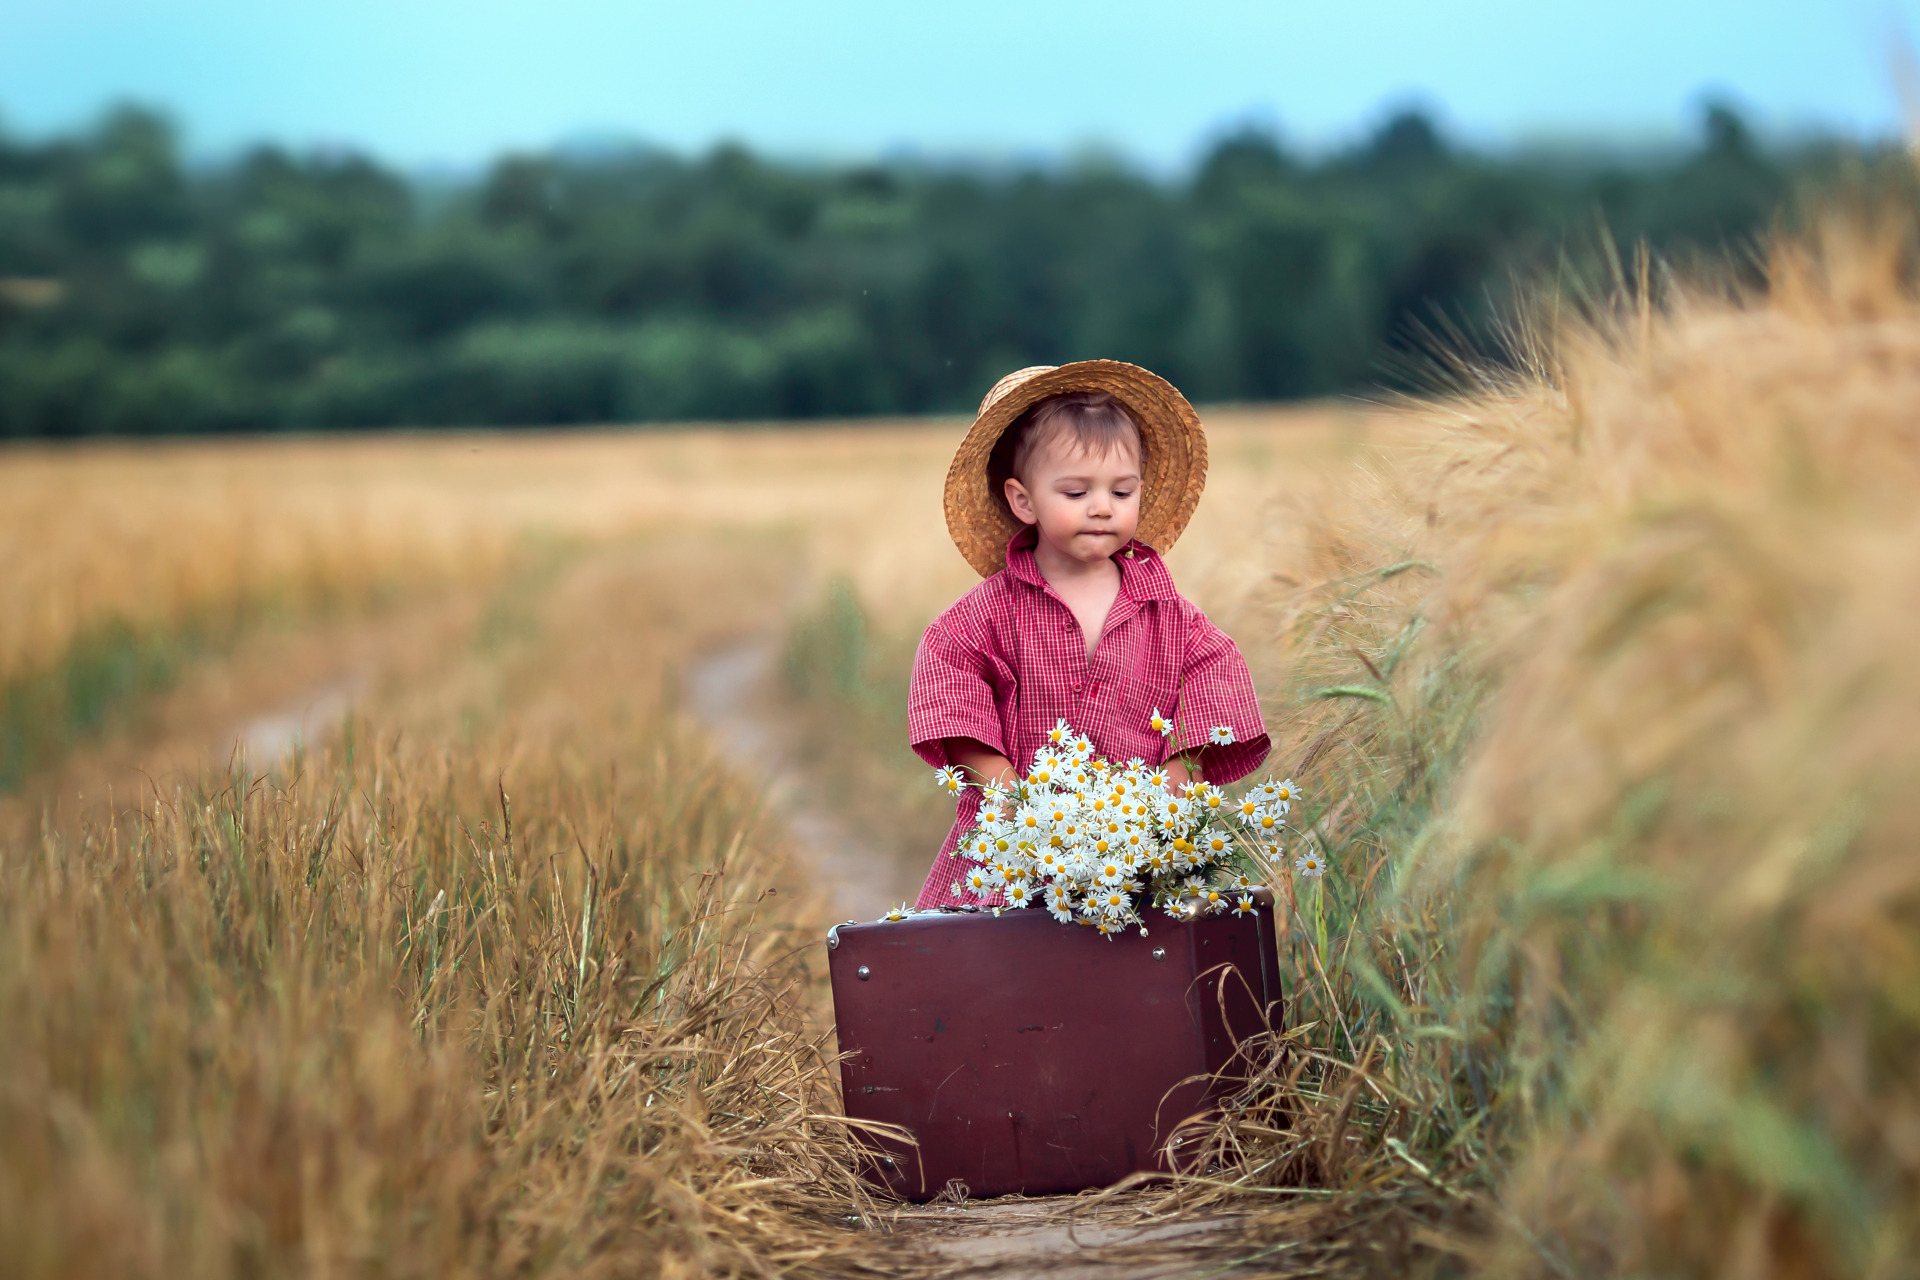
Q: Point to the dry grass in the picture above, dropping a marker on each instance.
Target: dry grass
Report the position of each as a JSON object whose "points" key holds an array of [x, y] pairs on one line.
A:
{"points": [[1607, 664], [349, 1017], [359, 1020]]}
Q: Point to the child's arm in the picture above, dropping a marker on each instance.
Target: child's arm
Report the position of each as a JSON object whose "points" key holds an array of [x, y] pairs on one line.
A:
{"points": [[986, 765]]}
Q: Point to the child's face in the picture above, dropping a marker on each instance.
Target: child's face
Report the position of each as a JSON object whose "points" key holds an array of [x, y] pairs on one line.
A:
{"points": [[1087, 505]]}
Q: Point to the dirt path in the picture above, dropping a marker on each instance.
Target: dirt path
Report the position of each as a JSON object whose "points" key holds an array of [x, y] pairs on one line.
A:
{"points": [[730, 691]]}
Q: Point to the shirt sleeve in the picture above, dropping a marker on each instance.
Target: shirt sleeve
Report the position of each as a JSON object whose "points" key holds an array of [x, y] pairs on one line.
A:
{"points": [[953, 695], [1216, 689]]}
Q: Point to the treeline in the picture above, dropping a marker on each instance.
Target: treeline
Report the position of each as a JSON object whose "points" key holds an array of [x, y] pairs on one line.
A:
{"points": [[139, 295]]}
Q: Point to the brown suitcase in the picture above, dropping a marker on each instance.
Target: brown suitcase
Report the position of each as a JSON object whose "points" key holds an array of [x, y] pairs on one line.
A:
{"points": [[1033, 1057]]}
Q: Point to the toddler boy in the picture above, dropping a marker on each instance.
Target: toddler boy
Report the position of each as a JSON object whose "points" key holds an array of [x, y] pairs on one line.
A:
{"points": [[1069, 480]]}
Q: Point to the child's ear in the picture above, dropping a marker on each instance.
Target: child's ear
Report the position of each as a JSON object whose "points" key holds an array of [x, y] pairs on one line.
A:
{"points": [[1020, 501]]}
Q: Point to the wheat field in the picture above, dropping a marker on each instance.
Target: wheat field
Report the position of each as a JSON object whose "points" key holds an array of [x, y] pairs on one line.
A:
{"points": [[1594, 667], [291, 994]]}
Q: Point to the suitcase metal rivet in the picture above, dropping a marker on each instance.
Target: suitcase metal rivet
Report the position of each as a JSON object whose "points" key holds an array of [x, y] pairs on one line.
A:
{"points": [[1159, 953], [863, 973]]}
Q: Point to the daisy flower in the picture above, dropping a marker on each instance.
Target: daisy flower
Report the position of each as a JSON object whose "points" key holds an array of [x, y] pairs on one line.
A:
{"points": [[1243, 905], [1060, 734], [1217, 843], [1111, 873], [950, 779], [1221, 735], [1249, 811], [1060, 903], [1159, 723], [1310, 863], [1157, 780], [1269, 823], [1019, 895], [1113, 901], [900, 912], [981, 848]]}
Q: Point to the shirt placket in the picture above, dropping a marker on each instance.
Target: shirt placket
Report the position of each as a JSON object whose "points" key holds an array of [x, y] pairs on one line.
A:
{"points": [[1073, 656], [1089, 674]]}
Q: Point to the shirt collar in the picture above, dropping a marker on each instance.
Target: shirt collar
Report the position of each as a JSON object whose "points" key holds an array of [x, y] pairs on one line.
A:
{"points": [[1143, 575]]}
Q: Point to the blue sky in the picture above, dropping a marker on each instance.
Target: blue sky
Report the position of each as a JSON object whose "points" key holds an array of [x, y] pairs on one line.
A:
{"points": [[426, 82]]}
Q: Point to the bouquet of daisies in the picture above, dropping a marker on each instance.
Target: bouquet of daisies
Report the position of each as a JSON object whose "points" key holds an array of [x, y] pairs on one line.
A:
{"points": [[1098, 843]]}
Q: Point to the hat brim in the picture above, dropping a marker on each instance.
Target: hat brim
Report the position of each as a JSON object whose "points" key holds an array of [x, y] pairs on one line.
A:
{"points": [[1176, 461]]}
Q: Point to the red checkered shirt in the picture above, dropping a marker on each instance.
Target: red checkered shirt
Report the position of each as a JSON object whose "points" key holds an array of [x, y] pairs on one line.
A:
{"points": [[1009, 660]]}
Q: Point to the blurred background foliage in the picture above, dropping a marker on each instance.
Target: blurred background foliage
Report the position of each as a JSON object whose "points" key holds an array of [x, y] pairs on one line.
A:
{"points": [[141, 294]]}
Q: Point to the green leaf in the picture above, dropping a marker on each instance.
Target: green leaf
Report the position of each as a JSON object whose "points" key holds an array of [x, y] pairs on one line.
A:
{"points": [[1368, 692]]}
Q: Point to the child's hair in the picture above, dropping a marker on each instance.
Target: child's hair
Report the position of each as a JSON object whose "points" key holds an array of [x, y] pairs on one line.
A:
{"points": [[1094, 420]]}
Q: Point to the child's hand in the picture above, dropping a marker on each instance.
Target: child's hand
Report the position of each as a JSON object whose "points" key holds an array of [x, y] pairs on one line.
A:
{"points": [[1183, 768]]}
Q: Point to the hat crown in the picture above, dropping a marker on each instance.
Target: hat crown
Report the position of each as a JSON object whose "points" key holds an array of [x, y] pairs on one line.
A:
{"points": [[1011, 383]]}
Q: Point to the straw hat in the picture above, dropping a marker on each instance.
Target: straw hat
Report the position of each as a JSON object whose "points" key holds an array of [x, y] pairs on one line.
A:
{"points": [[1176, 448]]}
